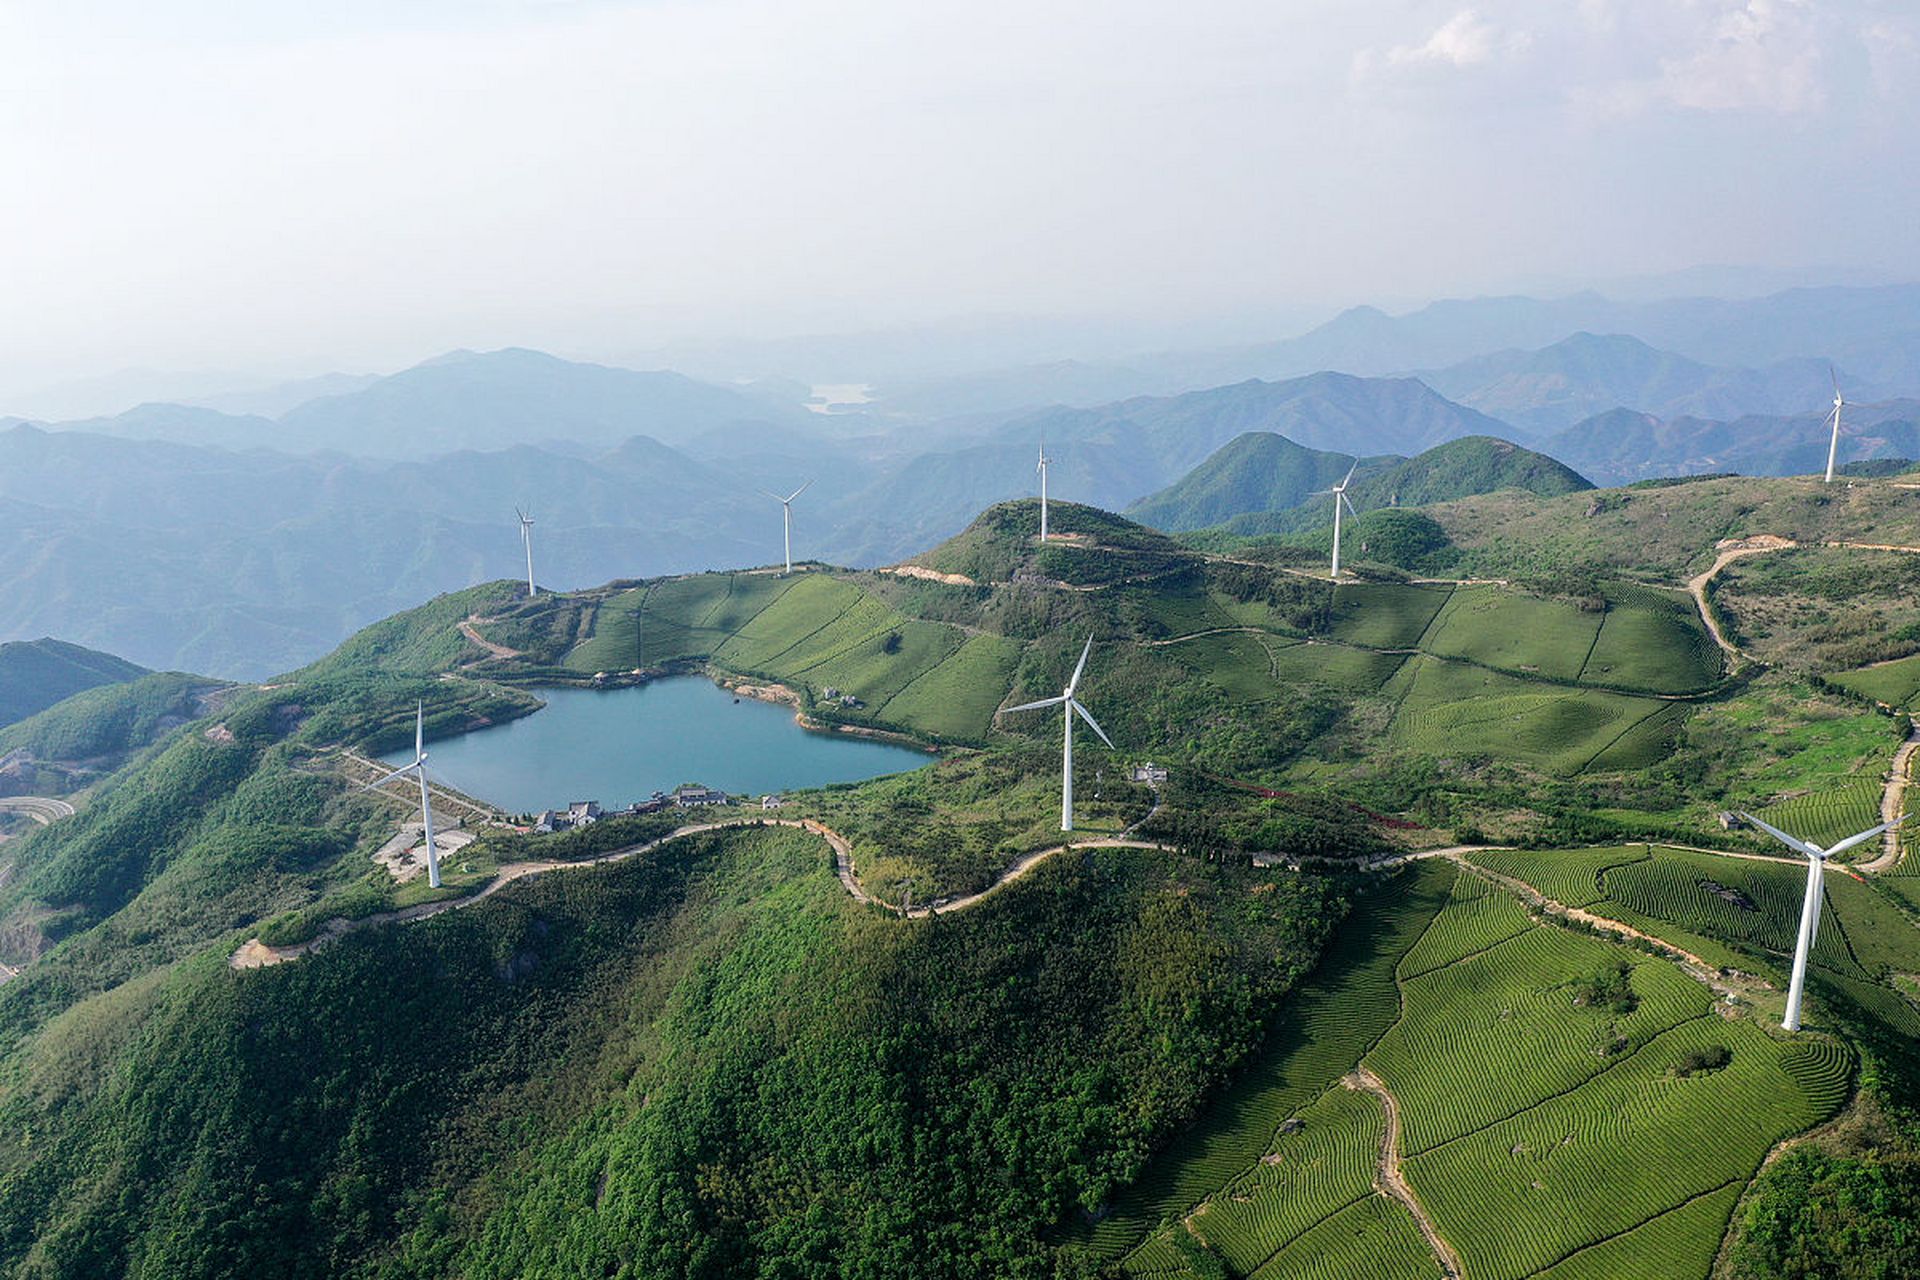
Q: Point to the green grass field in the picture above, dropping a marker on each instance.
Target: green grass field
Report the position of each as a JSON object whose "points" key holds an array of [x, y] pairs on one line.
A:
{"points": [[1240, 663], [957, 698], [1895, 683], [1385, 615], [1335, 665], [1454, 709], [1652, 640], [1514, 632]]}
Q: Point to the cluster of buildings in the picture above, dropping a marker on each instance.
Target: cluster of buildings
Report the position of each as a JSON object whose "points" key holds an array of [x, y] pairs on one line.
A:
{"points": [[584, 813], [831, 694]]}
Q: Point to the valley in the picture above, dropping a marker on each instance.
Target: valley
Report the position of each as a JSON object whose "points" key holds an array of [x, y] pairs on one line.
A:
{"points": [[1435, 875]]}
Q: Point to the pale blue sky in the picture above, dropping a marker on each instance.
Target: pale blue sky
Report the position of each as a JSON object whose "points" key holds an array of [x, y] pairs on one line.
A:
{"points": [[354, 184]]}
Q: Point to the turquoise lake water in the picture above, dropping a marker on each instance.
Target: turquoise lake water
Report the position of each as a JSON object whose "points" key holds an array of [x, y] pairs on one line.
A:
{"points": [[620, 745]]}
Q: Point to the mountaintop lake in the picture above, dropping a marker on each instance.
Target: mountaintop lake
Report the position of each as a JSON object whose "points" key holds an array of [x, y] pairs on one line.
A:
{"points": [[619, 745]]}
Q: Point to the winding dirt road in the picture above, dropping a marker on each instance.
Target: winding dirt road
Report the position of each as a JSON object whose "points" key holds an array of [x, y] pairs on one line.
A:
{"points": [[471, 631], [1730, 549], [1392, 1181], [1892, 801]]}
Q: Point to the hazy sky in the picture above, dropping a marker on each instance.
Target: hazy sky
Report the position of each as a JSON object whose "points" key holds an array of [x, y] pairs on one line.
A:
{"points": [[240, 184]]}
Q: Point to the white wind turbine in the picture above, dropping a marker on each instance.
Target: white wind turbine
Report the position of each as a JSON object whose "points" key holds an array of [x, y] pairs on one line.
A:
{"points": [[1340, 499], [419, 769], [1071, 705], [1042, 469], [786, 517], [1833, 446], [526, 536], [1810, 908]]}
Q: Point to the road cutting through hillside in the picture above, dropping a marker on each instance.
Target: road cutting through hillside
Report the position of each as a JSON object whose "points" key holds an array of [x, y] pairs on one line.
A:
{"points": [[1892, 800], [1730, 549], [42, 809], [1392, 1182]]}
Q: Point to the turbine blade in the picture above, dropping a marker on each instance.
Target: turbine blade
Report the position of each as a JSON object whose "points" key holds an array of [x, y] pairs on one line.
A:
{"points": [[1865, 836], [1341, 488], [1092, 723], [1835, 375], [1349, 501], [771, 494], [1079, 667], [1035, 706], [1792, 842], [420, 731], [796, 493], [402, 771]]}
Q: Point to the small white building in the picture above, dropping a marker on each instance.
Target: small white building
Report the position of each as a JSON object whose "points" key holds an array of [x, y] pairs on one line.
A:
{"points": [[772, 802], [583, 813], [1153, 775], [694, 796]]}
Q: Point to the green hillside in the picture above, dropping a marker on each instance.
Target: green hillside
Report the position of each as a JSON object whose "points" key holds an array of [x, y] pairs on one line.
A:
{"points": [[1267, 484], [1169, 1051], [35, 674], [1256, 472]]}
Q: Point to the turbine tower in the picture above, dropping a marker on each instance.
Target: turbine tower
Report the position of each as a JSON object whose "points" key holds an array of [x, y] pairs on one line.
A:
{"points": [[786, 518], [1042, 469], [1340, 499], [1810, 908], [1071, 705], [526, 536], [1833, 446], [419, 769]]}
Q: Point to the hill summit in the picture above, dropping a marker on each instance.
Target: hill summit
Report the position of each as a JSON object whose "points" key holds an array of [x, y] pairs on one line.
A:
{"points": [[1086, 547], [1265, 483]]}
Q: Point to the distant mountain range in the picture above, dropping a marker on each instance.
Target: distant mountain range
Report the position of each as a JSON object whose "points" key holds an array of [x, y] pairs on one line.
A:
{"points": [[248, 533], [1622, 446], [1264, 483], [465, 400], [1871, 331], [35, 674], [1548, 390]]}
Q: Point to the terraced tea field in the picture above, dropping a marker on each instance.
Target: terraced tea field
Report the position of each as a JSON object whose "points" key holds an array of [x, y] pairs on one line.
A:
{"points": [[1832, 814], [1569, 1107], [1468, 671], [1346, 1004], [1454, 709]]}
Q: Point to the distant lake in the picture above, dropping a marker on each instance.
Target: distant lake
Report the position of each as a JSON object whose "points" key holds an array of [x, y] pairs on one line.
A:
{"points": [[620, 745], [828, 397]]}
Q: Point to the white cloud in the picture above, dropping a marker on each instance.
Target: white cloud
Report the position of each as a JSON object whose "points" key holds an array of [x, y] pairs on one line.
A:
{"points": [[1464, 40], [1728, 55]]}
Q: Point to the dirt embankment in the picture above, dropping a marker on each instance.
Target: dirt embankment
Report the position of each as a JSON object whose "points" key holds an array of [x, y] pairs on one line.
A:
{"points": [[929, 575]]}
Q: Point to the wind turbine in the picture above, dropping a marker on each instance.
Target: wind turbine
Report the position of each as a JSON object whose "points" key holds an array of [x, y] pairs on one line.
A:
{"points": [[1042, 468], [1833, 447], [1810, 908], [1340, 499], [1072, 704], [526, 536], [419, 769], [786, 517]]}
